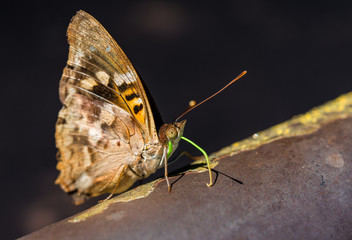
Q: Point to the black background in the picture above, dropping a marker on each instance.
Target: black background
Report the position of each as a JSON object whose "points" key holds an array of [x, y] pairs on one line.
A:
{"points": [[297, 54]]}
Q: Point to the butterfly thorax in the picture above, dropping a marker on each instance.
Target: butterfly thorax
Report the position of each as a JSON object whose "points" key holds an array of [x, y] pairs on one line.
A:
{"points": [[154, 153]]}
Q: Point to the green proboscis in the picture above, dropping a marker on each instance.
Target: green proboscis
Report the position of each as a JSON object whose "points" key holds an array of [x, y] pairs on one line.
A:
{"points": [[169, 150]]}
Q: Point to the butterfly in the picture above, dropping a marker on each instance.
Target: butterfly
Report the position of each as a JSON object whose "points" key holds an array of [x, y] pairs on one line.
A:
{"points": [[109, 133]]}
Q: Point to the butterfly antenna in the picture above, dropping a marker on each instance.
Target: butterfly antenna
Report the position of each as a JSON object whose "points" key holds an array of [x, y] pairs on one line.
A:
{"points": [[222, 89]]}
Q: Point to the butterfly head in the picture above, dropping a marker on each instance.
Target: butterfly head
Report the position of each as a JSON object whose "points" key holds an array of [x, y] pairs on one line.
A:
{"points": [[172, 133]]}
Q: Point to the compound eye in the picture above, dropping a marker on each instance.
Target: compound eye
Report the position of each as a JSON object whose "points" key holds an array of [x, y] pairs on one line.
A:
{"points": [[171, 132]]}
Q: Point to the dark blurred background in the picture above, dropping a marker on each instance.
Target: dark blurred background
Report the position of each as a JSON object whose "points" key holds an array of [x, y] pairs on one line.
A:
{"points": [[297, 54]]}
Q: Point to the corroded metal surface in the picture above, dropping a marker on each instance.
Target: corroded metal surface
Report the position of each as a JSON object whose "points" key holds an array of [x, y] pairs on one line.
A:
{"points": [[297, 184], [293, 188]]}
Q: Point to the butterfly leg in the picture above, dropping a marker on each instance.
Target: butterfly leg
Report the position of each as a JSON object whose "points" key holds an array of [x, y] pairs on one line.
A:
{"points": [[166, 173], [117, 183]]}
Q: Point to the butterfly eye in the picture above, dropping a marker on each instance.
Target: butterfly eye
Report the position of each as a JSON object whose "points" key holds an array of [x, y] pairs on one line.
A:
{"points": [[171, 132]]}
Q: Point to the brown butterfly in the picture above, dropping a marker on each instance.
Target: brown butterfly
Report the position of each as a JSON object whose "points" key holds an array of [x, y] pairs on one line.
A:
{"points": [[106, 132]]}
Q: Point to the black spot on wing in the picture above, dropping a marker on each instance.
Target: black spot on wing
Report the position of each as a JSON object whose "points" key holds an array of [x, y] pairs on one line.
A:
{"points": [[123, 87], [70, 67], [105, 127], [103, 143], [137, 108], [61, 120], [132, 96], [81, 139]]}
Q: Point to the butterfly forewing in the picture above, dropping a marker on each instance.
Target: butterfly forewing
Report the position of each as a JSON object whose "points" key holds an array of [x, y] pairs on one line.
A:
{"points": [[97, 64]]}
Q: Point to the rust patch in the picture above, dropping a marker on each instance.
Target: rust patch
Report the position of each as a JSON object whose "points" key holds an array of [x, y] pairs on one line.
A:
{"points": [[335, 160]]}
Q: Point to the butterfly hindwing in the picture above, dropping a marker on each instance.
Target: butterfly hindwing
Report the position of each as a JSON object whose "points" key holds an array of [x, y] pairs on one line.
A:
{"points": [[96, 141]]}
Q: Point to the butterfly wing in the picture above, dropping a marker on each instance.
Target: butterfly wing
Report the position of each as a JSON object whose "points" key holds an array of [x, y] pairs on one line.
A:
{"points": [[106, 118], [100, 66], [96, 141]]}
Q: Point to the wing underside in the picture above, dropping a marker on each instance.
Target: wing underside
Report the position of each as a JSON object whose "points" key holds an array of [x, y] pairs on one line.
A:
{"points": [[96, 144], [106, 120], [97, 64]]}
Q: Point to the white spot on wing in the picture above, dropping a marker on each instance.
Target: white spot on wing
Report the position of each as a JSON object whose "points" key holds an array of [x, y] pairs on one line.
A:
{"points": [[94, 133], [88, 83], [118, 80], [71, 90], [84, 181], [107, 117], [139, 101], [130, 76], [108, 108], [77, 58], [103, 77]]}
